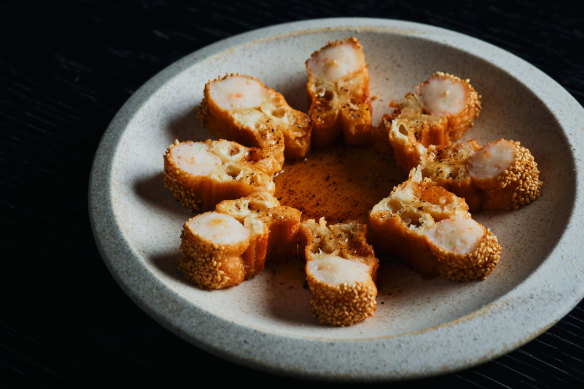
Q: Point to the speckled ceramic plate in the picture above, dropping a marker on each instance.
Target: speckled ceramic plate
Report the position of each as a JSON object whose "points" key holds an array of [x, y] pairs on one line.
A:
{"points": [[421, 327]]}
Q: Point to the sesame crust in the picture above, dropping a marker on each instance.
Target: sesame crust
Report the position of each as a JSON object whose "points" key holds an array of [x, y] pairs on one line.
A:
{"points": [[350, 302], [518, 185], [476, 265], [344, 304], [342, 107], [209, 265]]}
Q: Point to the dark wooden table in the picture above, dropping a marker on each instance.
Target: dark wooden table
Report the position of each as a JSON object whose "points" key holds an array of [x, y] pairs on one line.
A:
{"points": [[65, 70]]}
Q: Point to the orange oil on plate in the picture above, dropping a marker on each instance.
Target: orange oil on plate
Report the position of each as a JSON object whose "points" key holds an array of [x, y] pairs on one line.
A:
{"points": [[341, 183]]}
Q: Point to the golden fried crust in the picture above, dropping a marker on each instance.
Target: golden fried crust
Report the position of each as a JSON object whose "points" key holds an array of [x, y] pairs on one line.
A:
{"points": [[346, 303], [209, 265], [411, 126], [397, 225], [410, 131], [284, 225], [448, 166], [281, 222], [517, 186], [242, 171], [460, 122], [273, 126], [389, 235], [341, 107]]}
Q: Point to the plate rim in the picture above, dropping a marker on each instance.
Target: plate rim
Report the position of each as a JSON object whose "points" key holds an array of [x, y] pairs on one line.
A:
{"points": [[111, 244]]}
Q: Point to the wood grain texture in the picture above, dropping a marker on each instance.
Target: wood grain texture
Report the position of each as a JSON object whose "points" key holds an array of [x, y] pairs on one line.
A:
{"points": [[66, 69]]}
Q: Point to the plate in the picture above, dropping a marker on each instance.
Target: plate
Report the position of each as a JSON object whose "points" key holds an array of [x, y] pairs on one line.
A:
{"points": [[421, 327]]}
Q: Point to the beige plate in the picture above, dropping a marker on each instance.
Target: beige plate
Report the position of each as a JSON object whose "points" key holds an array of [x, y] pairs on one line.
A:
{"points": [[421, 327]]}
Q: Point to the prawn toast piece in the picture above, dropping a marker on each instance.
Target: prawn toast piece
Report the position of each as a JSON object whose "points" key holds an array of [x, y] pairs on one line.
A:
{"points": [[501, 175], [430, 229], [241, 108], [201, 174], [338, 89], [262, 209], [213, 247], [506, 173], [341, 268], [452, 98], [440, 111], [410, 130], [224, 247]]}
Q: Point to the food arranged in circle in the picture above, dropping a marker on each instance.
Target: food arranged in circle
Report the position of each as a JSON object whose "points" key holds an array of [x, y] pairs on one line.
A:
{"points": [[424, 222]]}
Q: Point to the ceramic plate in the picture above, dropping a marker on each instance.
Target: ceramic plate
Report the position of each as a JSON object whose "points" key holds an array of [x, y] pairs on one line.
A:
{"points": [[421, 327]]}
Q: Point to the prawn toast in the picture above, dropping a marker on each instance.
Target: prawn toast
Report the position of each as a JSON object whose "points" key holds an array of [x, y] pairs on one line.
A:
{"points": [[501, 175], [431, 230], [440, 111], [243, 109], [224, 247], [338, 89], [201, 174], [340, 270], [283, 222]]}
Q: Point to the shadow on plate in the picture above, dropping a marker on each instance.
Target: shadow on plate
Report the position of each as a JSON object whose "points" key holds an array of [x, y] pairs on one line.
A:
{"points": [[286, 292], [168, 264], [152, 190], [188, 127]]}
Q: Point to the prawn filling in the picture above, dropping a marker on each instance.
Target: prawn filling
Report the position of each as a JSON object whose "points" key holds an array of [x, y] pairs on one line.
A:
{"points": [[442, 95], [453, 98], [492, 160], [195, 158], [237, 93], [440, 111], [498, 176], [243, 109], [218, 228], [337, 61], [341, 268], [429, 229], [459, 235], [338, 88], [201, 174], [335, 270]]}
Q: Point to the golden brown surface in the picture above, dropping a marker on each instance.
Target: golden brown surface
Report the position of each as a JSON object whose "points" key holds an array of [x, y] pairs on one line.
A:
{"points": [[264, 209], [411, 125], [273, 126], [517, 186], [340, 183], [242, 171], [342, 107], [398, 222]]}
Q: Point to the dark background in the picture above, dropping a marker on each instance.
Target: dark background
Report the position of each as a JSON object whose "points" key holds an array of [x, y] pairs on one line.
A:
{"points": [[65, 70]]}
